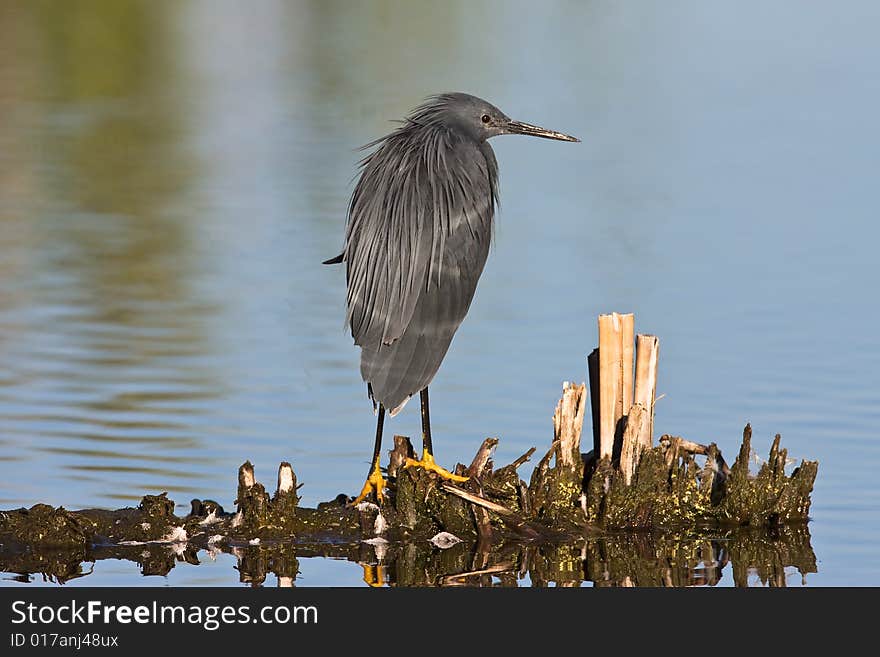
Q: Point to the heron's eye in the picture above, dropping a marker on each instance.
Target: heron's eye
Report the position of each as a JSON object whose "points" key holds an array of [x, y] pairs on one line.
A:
{"points": [[485, 118]]}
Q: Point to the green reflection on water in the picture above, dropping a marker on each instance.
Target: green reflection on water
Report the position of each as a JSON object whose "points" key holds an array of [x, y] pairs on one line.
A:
{"points": [[93, 178]]}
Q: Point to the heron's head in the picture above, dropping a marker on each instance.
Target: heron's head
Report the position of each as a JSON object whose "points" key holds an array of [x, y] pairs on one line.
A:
{"points": [[478, 118]]}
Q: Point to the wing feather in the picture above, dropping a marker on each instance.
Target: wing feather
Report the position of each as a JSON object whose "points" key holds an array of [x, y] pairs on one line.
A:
{"points": [[417, 238]]}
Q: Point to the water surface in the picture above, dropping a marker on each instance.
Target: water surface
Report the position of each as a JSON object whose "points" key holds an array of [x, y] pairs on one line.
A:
{"points": [[172, 175]]}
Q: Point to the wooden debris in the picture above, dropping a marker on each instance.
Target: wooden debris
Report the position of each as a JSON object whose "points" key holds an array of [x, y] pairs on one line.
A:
{"points": [[612, 379], [482, 459], [479, 501], [629, 484], [285, 500], [402, 451], [568, 423], [482, 462], [632, 446], [645, 391], [627, 347]]}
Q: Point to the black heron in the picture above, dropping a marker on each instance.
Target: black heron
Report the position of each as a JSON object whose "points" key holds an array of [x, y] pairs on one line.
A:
{"points": [[417, 238]]}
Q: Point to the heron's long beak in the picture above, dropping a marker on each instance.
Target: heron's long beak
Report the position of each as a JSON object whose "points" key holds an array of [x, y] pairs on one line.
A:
{"points": [[520, 128]]}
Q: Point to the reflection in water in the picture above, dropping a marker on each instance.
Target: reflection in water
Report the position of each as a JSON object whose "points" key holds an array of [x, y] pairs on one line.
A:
{"points": [[172, 174], [102, 339], [739, 558]]}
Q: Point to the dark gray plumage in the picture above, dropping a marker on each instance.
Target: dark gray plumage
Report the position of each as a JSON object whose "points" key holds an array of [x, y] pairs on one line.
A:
{"points": [[418, 234], [417, 238]]}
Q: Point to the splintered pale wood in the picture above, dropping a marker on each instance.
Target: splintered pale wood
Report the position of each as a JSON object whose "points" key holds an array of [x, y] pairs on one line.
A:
{"points": [[610, 385], [481, 459], [568, 422], [615, 376], [647, 352], [627, 346], [482, 462], [246, 477], [696, 448], [631, 449], [686, 445], [479, 501], [402, 451], [286, 478]]}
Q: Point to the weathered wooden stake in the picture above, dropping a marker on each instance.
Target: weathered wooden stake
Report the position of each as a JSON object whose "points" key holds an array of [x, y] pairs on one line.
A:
{"points": [[647, 351], [246, 477], [402, 451], [286, 479], [568, 423], [285, 500], [481, 463], [627, 362], [609, 383], [696, 448], [251, 499], [482, 457], [615, 376], [631, 448]]}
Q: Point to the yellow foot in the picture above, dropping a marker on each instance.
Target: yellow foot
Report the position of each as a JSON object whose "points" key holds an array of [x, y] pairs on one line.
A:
{"points": [[375, 482], [374, 575], [428, 464]]}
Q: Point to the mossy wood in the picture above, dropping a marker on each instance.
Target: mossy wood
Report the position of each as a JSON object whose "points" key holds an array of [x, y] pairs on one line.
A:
{"points": [[677, 485]]}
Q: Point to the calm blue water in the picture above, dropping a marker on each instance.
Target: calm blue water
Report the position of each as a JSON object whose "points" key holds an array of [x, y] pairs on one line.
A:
{"points": [[172, 175]]}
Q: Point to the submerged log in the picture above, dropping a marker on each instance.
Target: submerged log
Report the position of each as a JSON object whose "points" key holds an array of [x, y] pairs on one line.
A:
{"points": [[568, 495], [669, 489], [666, 488]]}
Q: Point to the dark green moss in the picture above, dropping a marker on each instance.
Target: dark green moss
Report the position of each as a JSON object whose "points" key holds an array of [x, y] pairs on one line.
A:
{"points": [[669, 489], [771, 497], [46, 526]]}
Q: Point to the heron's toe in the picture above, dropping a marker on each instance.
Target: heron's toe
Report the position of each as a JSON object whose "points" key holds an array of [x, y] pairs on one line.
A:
{"points": [[375, 483], [430, 465]]}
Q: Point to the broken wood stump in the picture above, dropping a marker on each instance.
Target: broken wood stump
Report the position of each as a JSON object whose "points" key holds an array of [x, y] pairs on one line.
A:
{"points": [[630, 483], [625, 482]]}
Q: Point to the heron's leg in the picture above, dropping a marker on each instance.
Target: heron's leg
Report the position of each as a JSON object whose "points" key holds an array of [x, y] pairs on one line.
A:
{"points": [[375, 480], [427, 461], [426, 422]]}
